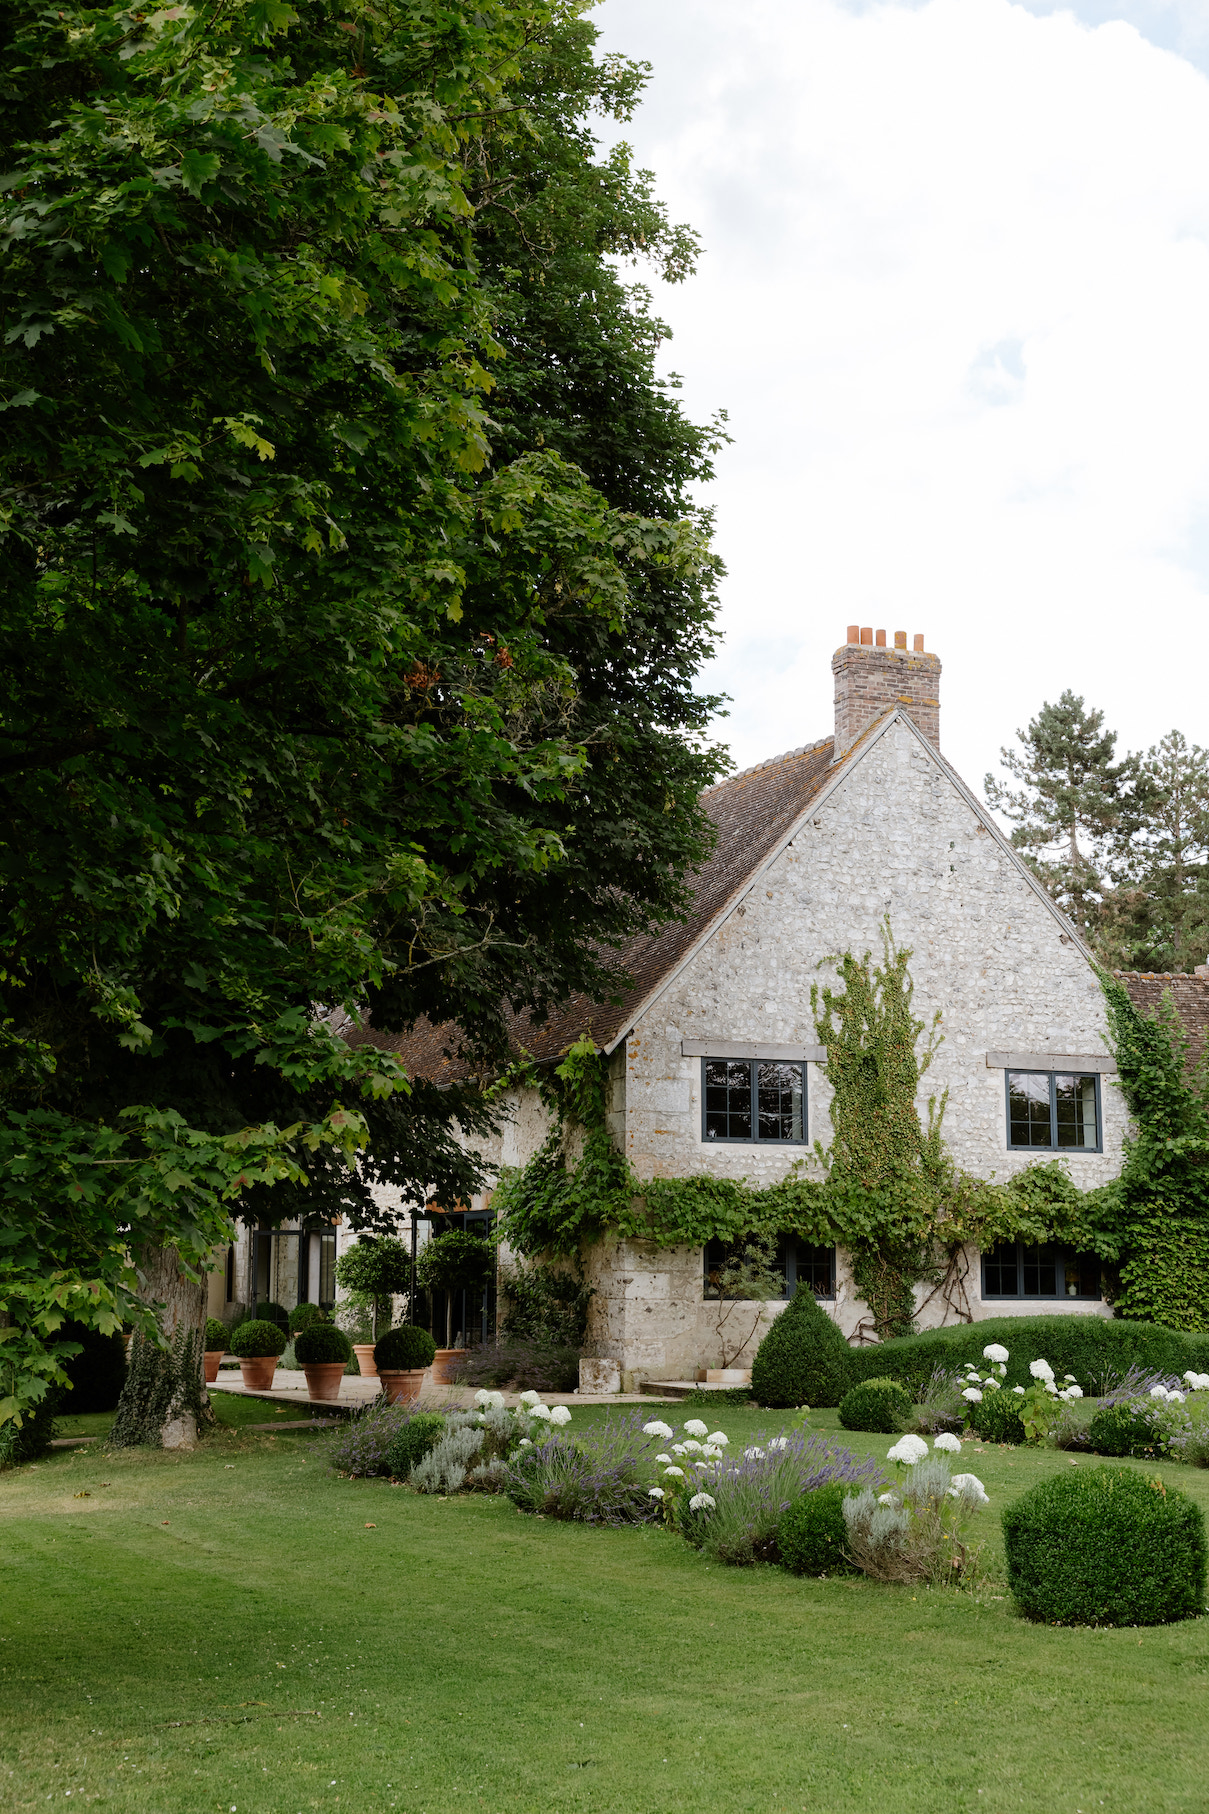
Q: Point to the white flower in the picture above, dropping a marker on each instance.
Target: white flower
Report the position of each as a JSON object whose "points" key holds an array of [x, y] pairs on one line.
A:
{"points": [[656, 1492], [524, 1443], [678, 1448], [719, 1440], [1071, 1392], [753, 1454], [970, 1482], [973, 1394], [909, 1449], [1202, 1383], [1019, 1390], [673, 1473], [886, 1499], [703, 1465], [777, 1444], [666, 1458], [994, 1351], [1192, 1379], [991, 1383], [695, 1427], [490, 1401], [657, 1429], [701, 1502], [691, 1447], [1176, 1398], [560, 1414], [1041, 1369], [1159, 1392], [542, 1412], [531, 1398], [711, 1454], [946, 1442]]}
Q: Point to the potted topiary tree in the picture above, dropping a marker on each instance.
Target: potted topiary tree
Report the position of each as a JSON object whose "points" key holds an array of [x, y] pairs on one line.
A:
{"points": [[258, 1345], [456, 1260], [323, 1352], [303, 1315], [376, 1269], [401, 1356], [215, 1347]]}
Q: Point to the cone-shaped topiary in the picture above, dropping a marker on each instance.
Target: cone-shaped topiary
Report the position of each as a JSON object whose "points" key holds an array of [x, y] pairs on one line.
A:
{"points": [[322, 1342], [404, 1350], [803, 1360]]}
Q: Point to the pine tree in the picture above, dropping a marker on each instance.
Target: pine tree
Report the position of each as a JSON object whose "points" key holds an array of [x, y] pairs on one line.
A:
{"points": [[1158, 919], [1075, 807]]}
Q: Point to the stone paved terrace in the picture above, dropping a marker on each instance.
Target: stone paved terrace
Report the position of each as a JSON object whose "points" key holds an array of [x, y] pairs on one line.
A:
{"points": [[290, 1388]]}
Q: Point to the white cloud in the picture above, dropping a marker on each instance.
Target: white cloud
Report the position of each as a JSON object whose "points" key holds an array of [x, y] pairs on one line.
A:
{"points": [[955, 299]]}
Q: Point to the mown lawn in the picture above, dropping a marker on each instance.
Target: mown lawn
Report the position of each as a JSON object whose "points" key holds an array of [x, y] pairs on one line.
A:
{"points": [[237, 1628]]}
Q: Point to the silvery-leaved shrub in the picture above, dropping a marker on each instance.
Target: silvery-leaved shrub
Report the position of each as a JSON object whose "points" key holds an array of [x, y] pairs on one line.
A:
{"points": [[918, 1531], [444, 1468]]}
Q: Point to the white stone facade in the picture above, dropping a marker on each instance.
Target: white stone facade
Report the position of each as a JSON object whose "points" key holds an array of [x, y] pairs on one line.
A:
{"points": [[894, 832]]}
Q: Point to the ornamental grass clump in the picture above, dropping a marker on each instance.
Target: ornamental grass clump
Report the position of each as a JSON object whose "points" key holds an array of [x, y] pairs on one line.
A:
{"points": [[752, 1490], [879, 1405], [1106, 1546], [917, 1532], [941, 1406]]}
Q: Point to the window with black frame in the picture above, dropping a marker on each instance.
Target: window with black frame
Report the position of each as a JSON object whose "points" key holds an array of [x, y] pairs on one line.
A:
{"points": [[753, 1101], [1017, 1269], [799, 1262], [1055, 1111]]}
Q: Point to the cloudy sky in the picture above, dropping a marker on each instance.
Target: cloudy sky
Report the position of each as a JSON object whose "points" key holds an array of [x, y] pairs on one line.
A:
{"points": [[955, 298]]}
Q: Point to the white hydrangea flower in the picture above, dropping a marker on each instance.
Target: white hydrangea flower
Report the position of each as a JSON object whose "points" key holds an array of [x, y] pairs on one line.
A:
{"points": [[990, 1383], [560, 1414], [541, 1412], [673, 1473], [1176, 1398], [753, 1454], [657, 1429], [1071, 1392], [711, 1454], [777, 1444], [970, 1481], [973, 1394], [690, 1447], [695, 1427], [1019, 1390], [1159, 1392], [909, 1449], [678, 1448], [525, 1443], [1041, 1369], [666, 1458], [701, 1502], [490, 1401], [1202, 1382], [531, 1397], [703, 1465], [947, 1443], [886, 1499], [656, 1492], [995, 1351], [718, 1440], [1192, 1379]]}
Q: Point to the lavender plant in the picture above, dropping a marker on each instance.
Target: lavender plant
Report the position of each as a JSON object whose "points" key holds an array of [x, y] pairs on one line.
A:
{"points": [[360, 1446], [603, 1476], [731, 1507]]}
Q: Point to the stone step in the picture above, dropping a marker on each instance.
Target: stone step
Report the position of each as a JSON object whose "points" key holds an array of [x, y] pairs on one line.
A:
{"points": [[680, 1388]]}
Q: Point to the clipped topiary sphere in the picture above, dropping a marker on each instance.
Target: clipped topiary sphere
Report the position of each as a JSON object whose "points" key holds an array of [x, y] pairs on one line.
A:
{"points": [[322, 1343], [404, 1350], [812, 1533], [273, 1313], [997, 1418], [215, 1339], [258, 1339], [1106, 1546], [876, 1404], [414, 1440], [303, 1315], [803, 1360]]}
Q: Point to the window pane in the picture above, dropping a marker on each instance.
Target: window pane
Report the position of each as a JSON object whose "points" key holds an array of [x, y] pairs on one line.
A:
{"points": [[816, 1268], [1082, 1271], [999, 1273], [719, 1254], [1038, 1267], [1076, 1106], [779, 1091], [1028, 1108], [727, 1099]]}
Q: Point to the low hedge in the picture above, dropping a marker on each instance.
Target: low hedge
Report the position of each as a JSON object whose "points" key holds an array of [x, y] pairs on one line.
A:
{"points": [[1087, 1346], [413, 1441], [1106, 1546], [812, 1532], [997, 1418], [1134, 1427], [258, 1339], [320, 1343], [876, 1404], [215, 1338], [404, 1350]]}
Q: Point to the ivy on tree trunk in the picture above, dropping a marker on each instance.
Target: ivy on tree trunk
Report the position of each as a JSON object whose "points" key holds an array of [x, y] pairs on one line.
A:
{"points": [[164, 1401]]}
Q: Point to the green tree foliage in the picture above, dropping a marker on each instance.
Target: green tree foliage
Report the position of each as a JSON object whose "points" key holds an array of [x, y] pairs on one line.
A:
{"points": [[1158, 916], [314, 672], [803, 1360], [1072, 804]]}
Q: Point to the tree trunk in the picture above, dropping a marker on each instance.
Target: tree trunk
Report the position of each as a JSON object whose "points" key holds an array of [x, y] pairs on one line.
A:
{"points": [[164, 1401]]}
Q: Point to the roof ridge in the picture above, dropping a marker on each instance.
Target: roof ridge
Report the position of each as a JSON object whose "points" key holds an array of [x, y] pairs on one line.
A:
{"points": [[1164, 976], [769, 762]]}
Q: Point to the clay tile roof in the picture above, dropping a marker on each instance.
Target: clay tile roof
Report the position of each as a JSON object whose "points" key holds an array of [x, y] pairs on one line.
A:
{"points": [[753, 812], [1190, 995]]}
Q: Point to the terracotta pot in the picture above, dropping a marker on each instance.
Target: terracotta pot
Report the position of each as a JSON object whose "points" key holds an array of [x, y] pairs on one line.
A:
{"points": [[212, 1357], [364, 1352], [401, 1388], [323, 1379], [258, 1371], [447, 1362]]}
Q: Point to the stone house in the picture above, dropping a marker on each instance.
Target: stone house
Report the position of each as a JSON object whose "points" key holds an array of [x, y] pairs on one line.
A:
{"points": [[713, 1060]]}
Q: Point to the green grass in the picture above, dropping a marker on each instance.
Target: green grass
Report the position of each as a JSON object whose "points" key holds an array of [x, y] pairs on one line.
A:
{"points": [[231, 1410], [180, 1634]]}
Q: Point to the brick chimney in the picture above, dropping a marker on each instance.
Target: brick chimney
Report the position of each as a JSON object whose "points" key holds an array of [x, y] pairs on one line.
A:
{"points": [[871, 679]]}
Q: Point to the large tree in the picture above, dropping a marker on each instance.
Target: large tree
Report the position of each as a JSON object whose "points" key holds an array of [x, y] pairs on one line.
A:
{"points": [[311, 697], [1158, 917]]}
